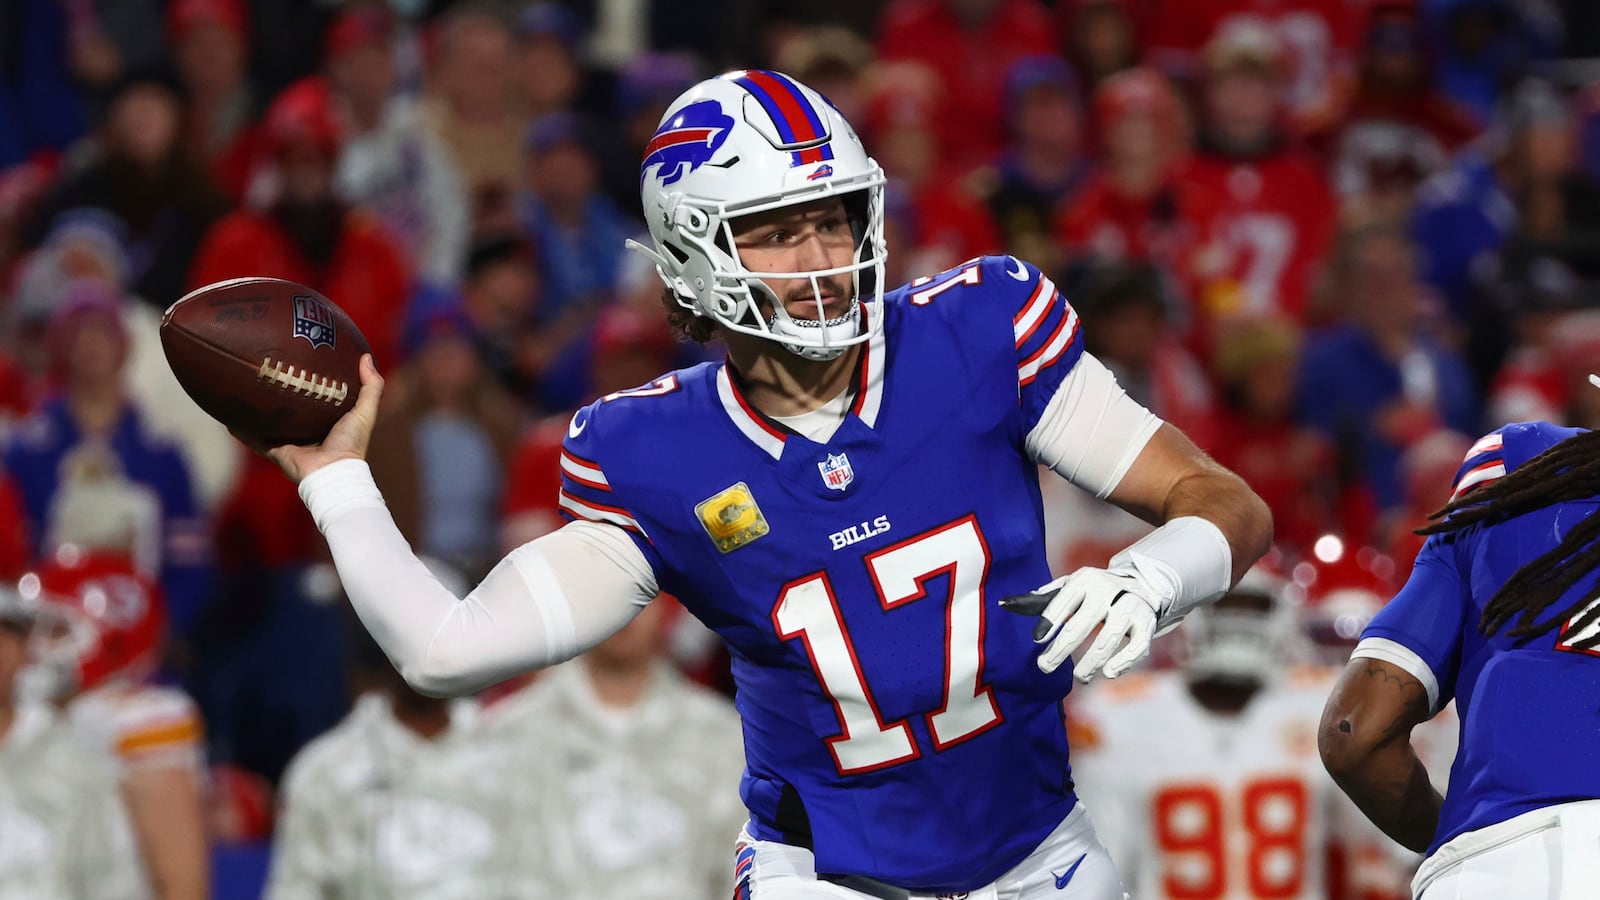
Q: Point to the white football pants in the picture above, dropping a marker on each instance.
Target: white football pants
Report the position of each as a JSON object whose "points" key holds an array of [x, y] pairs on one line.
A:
{"points": [[783, 872], [1547, 854]]}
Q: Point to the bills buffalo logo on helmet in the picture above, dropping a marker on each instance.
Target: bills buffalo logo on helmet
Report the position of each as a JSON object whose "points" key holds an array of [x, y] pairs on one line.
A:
{"points": [[686, 141]]}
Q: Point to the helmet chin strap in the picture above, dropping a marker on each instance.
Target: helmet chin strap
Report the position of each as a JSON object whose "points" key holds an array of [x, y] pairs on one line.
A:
{"points": [[838, 329]]}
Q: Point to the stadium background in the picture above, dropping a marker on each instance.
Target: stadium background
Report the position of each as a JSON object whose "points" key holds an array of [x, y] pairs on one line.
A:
{"points": [[1333, 240]]}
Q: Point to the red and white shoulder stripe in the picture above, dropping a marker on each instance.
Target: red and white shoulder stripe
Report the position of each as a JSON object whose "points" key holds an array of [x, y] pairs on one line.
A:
{"points": [[586, 493], [1044, 329], [583, 472], [595, 511]]}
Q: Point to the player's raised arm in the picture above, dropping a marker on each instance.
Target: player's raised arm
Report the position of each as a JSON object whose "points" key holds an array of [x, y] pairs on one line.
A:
{"points": [[546, 602]]}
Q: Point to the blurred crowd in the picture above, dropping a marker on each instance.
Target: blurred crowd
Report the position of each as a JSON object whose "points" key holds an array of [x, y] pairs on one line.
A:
{"points": [[1333, 240]]}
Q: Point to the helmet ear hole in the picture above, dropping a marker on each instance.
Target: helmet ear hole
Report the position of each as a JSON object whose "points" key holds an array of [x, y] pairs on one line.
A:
{"points": [[676, 252]]}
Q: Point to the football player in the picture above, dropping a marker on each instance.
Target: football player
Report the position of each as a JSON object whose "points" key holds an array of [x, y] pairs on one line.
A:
{"points": [[1232, 801], [1500, 613], [98, 637], [844, 499], [635, 771], [63, 830], [405, 799]]}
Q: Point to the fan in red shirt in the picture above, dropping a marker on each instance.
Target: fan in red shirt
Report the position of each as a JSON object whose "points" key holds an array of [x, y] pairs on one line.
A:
{"points": [[1139, 207], [1290, 466], [306, 234], [971, 44], [946, 221], [1398, 128], [1276, 213], [1319, 39]]}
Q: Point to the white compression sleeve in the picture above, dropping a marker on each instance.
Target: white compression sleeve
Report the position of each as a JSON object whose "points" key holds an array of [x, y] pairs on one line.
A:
{"points": [[1091, 430], [547, 601]]}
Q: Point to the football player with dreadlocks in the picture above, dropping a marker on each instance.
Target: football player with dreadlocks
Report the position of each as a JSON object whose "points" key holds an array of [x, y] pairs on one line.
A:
{"points": [[845, 500], [1501, 613]]}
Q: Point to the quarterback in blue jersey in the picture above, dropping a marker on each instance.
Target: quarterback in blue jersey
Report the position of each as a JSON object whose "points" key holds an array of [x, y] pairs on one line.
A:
{"points": [[1502, 615], [846, 500]]}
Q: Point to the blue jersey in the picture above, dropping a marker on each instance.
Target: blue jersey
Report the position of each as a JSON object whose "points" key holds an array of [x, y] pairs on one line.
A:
{"points": [[1529, 707], [895, 720]]}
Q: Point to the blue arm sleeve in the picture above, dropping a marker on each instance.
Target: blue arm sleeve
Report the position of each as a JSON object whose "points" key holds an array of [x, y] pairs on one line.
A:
{"points": [[1430, 616]]}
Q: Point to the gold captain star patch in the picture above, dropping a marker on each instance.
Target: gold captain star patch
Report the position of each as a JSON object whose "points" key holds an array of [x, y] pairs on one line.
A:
{"points": [[732, 517]]}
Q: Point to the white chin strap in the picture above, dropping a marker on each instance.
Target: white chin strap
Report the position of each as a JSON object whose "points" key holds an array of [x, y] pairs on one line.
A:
{"points": [[835, 332]]}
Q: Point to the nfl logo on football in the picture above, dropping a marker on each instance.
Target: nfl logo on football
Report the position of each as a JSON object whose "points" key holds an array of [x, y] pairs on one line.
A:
{"points": [[313, 320], [836, 471]]}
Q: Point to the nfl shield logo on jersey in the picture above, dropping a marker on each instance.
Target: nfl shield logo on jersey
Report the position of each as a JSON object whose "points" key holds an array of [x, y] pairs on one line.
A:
{"points": [[836, 471], [313, 320]]}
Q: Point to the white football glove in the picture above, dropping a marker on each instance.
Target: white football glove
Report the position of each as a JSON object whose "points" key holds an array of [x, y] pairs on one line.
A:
{"points": [[1070, 607]]}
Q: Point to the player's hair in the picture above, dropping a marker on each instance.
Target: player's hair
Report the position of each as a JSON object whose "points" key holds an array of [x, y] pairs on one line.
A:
{"points": [[1568, 471], [688, 325]]}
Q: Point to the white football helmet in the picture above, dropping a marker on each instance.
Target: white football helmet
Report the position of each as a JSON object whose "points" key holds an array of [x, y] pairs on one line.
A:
{"points": [[746, 142], [1244, 641]]}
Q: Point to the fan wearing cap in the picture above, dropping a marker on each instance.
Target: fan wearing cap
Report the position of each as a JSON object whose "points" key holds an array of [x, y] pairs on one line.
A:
{"points": [[210, 41], [298, 229], [1398, 128], [970, 46], [1139, 207], [550, 65], [67, 835], [942, 217], [1319, 37], [578, 230], [387, 163], [1276, 212], [1044, 161]]}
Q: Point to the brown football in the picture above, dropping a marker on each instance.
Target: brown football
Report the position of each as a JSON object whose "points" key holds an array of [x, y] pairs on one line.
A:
{"points": [[270, 359]]}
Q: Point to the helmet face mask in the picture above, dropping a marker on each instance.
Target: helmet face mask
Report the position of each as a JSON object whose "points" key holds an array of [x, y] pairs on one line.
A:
{"points": [[727, 149], [1246, 638]]}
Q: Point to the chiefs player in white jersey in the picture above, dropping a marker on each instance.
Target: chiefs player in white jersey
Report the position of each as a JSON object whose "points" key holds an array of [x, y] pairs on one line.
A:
{"points": [[64, 834], [633, 771], [1205, 781], [97, 640]]}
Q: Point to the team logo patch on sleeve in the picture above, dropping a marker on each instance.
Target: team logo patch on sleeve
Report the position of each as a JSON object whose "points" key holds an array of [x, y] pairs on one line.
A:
{"points": [[313, 320], [732, 518], [836, 471]]}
